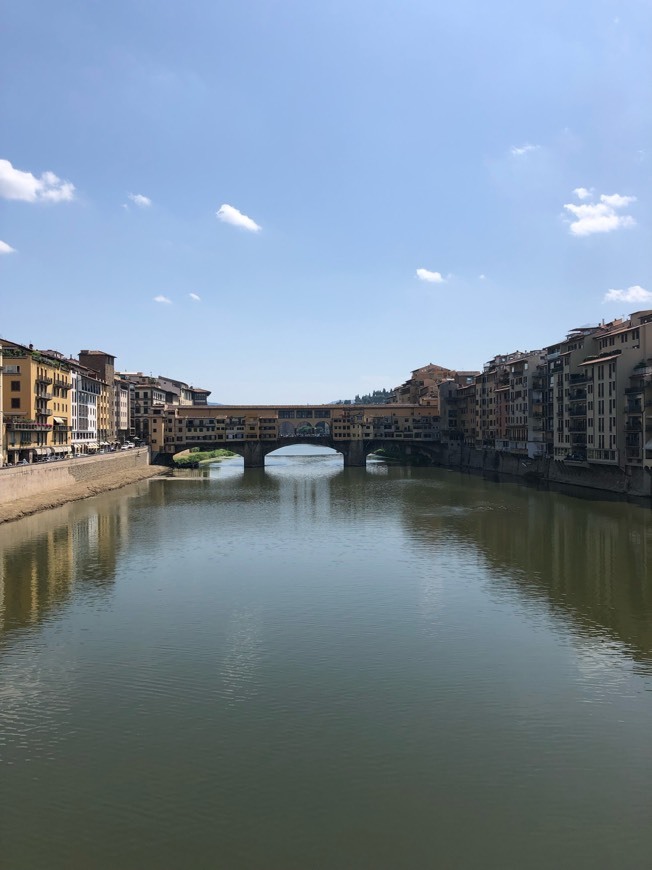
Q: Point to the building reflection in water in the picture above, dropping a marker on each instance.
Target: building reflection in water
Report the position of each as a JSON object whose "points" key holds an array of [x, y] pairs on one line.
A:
{"points": [[588, 560], [47, 558]]}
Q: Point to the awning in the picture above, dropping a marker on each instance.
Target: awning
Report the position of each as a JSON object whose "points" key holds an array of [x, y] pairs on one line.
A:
{"points": [[61, 449], [41, 451], [600, 359], [59, 420], [648, 446], [104, 443]]}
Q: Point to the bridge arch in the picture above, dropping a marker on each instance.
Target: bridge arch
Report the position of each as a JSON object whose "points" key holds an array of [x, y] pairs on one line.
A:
{"points": [[254, 451]]}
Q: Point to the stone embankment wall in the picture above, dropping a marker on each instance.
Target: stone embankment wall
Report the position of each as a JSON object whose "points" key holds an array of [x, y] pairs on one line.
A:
{"points": [[607, 478], [30, 488]]}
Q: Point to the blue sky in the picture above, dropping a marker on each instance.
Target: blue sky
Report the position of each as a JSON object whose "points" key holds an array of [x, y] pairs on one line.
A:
{"points": [[347, 145]]}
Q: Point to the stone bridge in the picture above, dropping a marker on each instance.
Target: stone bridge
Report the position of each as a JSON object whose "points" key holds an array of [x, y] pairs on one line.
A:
{"points": [[255, 431], [354, 452]]}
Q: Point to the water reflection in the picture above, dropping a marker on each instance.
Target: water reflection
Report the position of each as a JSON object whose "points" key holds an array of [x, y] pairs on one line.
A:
{"points": [[45, 556], [590, 561], [388, 664]]}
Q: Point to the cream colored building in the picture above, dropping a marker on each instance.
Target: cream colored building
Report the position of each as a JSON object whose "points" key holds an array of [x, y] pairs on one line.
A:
{"points": [[599, 384], [122, 410]]}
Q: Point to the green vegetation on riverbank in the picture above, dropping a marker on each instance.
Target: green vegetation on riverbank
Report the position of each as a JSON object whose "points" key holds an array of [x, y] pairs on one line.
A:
{"points": [[193, 457]]}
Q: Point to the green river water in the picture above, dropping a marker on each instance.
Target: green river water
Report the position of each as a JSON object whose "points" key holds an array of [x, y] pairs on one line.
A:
{"points": [[308, 666]]}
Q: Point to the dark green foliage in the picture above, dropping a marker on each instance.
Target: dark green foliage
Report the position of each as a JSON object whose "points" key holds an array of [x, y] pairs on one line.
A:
{"points": [[378, 397]]}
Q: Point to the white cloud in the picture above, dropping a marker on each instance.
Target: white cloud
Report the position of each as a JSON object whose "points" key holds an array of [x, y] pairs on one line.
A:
{"points": [[6, 249], [140, 200], [163, 299], [23, 186], [431, 277], [520, 150], [482, 277], [599, 217], [582, 192], [632, 294], [615, 200], [231, 215], [195, 297]]}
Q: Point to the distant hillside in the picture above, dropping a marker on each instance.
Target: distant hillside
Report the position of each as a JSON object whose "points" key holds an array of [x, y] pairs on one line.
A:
{"points": [[378, 397]]}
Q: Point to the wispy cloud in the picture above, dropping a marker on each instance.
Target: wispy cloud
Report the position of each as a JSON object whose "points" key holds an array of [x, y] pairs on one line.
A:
{"points": [[6, 249], [163, 300], [431, 277], [230, 215], [520, 150], [632, 294], [195, 297], [19, 185], [601, 216], [482, 277], [140, 200]]}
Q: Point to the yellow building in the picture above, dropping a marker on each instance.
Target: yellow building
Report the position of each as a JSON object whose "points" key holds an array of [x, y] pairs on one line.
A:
{"points": [[105, 413], [35, 402]]}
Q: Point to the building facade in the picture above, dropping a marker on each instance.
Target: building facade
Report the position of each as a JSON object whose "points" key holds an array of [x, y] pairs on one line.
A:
{"points": [[85, 395], [103, 364], [36, 404], [122, 410]]}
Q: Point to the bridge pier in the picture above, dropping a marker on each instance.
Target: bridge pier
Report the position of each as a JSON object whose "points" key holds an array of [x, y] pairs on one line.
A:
{"points": [[253, 454], [355, 455]]}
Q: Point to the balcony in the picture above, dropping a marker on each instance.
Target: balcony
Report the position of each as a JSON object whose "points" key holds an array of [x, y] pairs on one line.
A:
{"points": [[633, 391], [633, 426], [44, 412], [44, 396], [62, 383], [27, 425], [43, 380], [633, 408], [579, 379], [577, 395], [577, 411]]}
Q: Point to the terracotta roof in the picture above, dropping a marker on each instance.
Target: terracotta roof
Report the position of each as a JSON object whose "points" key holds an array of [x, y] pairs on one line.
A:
{"points": [[599, 359]]}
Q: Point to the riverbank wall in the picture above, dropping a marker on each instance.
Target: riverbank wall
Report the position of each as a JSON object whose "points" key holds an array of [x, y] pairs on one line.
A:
{"points": [[635, 482], [27, 489]]}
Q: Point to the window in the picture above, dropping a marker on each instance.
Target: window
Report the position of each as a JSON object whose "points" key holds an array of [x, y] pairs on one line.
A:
{"points": [[15, 403], [15, 386]]}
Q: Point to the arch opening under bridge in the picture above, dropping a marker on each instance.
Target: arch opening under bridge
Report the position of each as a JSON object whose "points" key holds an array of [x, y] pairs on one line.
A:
{"points": [[254, 451]]}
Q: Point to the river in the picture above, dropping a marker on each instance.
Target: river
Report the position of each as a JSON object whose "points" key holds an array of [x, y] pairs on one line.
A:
{"points": [[315, 667]]}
